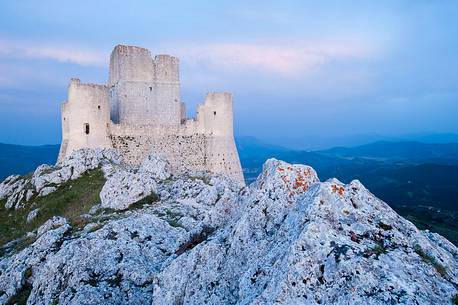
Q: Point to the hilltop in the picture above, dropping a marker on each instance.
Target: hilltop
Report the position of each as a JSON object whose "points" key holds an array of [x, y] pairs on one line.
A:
{"points": [[153, 237]]}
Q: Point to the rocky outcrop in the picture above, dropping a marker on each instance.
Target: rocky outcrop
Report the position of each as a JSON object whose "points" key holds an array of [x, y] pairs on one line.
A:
{"points": [[124, 188], [156, 167], [286, 239], [127, 185], [20, 190], [32, 215]]}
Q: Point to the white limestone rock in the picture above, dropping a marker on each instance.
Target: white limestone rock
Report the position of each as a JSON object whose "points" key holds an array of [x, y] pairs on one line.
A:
{"points": [[125, 188], [32, 215], [211, 241], [83, 160], [51, 177], [46, 179], [337, 244], [155, 166], [126, 185], [8, 185], [12, 189], [284, 178], [50, 224], [41, 169], [94, 209], [17, 271], [113, 265], [29, 195], [47, 190]]}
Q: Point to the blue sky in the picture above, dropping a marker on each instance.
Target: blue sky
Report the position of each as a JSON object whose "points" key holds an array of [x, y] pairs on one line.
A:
{"points": [[296, 68]]}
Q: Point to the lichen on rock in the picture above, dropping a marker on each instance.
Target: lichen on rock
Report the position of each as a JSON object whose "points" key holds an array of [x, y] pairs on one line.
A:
{"points": [[286, 239]]}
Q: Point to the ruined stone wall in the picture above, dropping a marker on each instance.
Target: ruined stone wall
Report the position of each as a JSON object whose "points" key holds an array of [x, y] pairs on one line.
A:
{"points": [[204, 143], [140, 112], [85, 118], [222, 157], [182, 149], [216, 116], [131, 64]]}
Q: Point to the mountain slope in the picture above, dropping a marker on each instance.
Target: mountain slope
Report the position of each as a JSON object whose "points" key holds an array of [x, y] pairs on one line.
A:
{"points": [[286, 239], [399, 151]]}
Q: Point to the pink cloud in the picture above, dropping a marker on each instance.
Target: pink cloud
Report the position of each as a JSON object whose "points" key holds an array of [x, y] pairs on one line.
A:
{"points": [[59, 53], [286, 61]]}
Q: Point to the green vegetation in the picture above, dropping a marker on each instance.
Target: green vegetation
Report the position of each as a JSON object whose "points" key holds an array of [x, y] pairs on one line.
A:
{"points": [[378, 249], [384, 226], [147, 200], [431, 260], [455, 299], [73, 198], [196, 239], [20, 298], [171, 217]]}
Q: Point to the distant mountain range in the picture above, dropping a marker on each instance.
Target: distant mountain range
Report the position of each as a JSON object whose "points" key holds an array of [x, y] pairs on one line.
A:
{"points": [[20, 159], [400, 173], [314, 142], [400, 151]]}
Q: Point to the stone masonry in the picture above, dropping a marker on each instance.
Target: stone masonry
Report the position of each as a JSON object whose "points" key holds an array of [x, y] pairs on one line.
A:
{"points": [[140, 112]]}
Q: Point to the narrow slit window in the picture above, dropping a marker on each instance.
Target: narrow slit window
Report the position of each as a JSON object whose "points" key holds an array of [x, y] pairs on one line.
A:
{"points": [[214, 112], [98, 107], [150, 88], [86, 128]]}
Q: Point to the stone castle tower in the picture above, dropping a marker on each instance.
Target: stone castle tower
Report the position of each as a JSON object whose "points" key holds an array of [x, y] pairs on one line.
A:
{"points": [[140, 111]]}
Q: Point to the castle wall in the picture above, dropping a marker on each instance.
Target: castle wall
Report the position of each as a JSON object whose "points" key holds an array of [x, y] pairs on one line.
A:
{"points": [[140, 112], [204, 143], [222, 157], [85, 118], [143, 90], [130, 63], [216, 116], [184, 150], [65, 131]]}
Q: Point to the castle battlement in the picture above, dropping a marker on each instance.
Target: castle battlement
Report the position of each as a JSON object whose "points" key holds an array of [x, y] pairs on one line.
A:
{"points": [[139, 111]]}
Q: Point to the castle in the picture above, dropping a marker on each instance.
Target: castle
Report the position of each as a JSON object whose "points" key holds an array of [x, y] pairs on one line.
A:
{"points": [[140, 111]]}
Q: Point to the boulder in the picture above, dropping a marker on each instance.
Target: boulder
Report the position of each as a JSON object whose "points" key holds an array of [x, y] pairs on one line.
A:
{"points": [[158, 168], [32, 215], [125, 188]]}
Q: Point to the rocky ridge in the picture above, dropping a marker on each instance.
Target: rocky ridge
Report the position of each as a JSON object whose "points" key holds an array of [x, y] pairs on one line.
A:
{"points": [[204, 239], [21, 190]]}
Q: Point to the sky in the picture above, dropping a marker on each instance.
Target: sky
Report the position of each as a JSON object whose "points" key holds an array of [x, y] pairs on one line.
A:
{"points": [[295, 68]]}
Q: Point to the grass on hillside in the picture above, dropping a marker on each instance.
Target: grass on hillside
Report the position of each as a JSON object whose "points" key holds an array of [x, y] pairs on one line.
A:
{"points": [[73, 198]]}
